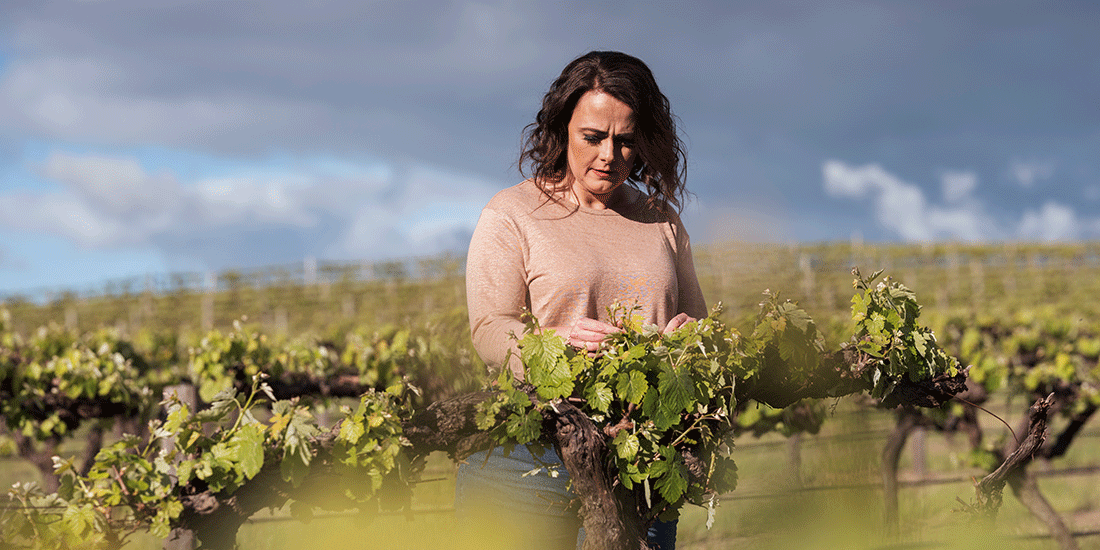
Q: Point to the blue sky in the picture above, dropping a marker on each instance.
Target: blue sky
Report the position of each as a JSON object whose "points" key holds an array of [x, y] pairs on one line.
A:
{"points": [[145, 136]]}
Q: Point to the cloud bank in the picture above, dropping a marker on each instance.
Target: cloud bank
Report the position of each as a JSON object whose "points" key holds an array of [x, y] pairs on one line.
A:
{"points": [[902, 209], [315, 210]]}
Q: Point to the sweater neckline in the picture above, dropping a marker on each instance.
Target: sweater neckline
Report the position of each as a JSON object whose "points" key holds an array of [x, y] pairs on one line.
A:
{"points": [[631, 205]]}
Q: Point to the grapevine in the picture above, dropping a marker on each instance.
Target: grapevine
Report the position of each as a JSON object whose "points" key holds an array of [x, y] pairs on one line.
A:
{"points": [[1047, 357], [666, 402], [655, 409]]}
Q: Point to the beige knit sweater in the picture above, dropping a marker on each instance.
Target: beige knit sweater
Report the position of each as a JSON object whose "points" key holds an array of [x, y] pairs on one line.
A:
{"points": [[566, 262]]}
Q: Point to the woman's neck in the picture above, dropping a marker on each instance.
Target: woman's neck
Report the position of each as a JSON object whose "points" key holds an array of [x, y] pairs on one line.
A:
{"points": [[616, 198]]}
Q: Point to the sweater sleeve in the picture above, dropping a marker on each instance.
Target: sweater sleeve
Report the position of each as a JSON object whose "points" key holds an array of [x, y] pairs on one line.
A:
{"points": [[690, 299], [496, 289]]}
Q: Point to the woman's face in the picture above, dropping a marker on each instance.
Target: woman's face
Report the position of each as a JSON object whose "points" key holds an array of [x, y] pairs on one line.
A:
{"points": [[601, 150]]}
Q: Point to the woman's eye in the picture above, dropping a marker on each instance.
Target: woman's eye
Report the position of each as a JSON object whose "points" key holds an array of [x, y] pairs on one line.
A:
{"points": [[592, 139]]}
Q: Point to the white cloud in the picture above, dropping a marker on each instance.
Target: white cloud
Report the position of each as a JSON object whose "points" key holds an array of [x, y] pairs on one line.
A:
{"points": [[65, 215], [958, 185], [959, 223], [1053, 222], [261, 217], [1028, 173], [898, 205], [434, 211], [903, 208], [230, 200], [116, 186]]}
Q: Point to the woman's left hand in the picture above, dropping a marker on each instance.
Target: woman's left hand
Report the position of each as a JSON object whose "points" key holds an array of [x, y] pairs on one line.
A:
{"points": [[678, 321]]}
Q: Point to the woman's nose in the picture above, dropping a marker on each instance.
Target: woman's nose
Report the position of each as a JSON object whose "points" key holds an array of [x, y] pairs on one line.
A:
{"points": [[607, 149]]}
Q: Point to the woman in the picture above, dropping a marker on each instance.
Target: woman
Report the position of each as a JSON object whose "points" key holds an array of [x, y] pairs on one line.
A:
{"points": [[595, 224]]}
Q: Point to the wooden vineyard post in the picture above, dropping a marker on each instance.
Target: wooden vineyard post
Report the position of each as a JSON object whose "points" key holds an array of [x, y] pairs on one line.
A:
{"points": [[72, 318], [794, 460], [207, 321], [180, 539], [920, 453]]}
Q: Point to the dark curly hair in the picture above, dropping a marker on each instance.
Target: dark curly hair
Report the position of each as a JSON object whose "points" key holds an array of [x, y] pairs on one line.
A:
{"points": [[660, 167]]}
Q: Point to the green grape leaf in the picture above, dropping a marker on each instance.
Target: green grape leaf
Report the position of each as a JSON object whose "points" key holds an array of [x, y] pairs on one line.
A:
{"points": [[599, 396], [723, 479], [351, 430], [551, 378], [658, 469], [797, 317], [525, 428], [629, 474], [626, 445], [541, 350], [249, 443], [632, 386], [546, 368], [677, 390], [634, 353], [920, 343], [663, 417], [673, 484], [222, 403]]}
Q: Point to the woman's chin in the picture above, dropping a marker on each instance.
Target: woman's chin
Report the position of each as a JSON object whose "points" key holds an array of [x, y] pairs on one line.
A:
{"points": [[602, 187]]}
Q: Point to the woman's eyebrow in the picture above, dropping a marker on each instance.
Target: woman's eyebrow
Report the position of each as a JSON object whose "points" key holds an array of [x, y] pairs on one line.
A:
{"points": [[604, 132]]}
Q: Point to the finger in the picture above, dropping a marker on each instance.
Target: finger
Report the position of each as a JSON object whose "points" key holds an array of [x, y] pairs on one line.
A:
{"points": [[674, 323], [587, 345], [595, 326], [588, 336], [678, 321], [581, 338], [592, 330]]}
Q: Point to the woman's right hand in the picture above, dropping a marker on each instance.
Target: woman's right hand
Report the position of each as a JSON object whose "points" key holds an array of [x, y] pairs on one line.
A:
{"points": [[587, 334]]}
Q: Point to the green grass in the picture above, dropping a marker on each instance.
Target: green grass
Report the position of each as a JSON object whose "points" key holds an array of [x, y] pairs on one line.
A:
{"points": [[432, 525]]}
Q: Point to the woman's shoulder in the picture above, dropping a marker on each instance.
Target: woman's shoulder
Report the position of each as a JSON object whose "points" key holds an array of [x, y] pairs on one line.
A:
{"points": [[644, 207], [523, 197]]}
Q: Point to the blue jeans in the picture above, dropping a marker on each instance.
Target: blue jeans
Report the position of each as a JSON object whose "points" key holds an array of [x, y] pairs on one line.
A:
{"points": [[540, 504]]}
